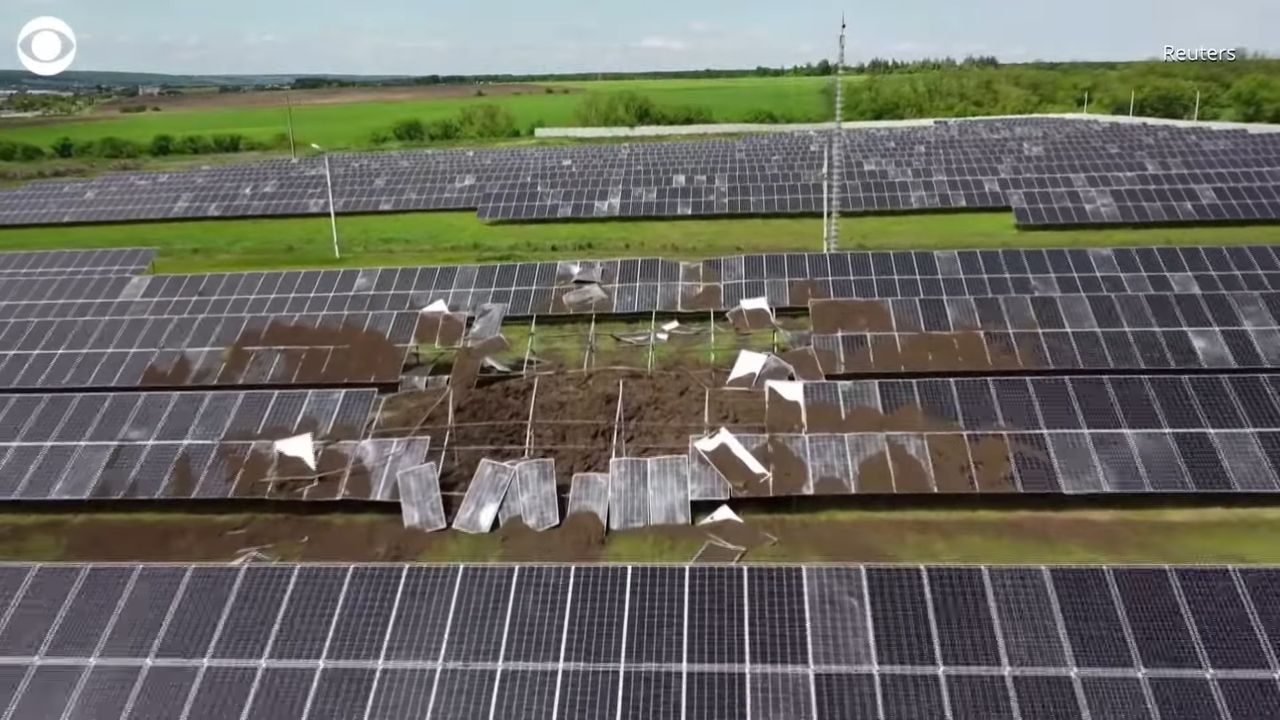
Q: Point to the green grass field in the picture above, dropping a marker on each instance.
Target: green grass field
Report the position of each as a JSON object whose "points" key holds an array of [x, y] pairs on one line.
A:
{"points": [[1209, 535], [340, 126], [458, 237]]}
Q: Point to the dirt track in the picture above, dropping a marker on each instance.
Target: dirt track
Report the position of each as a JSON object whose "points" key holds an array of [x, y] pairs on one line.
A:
{"points": [[320, 96]]}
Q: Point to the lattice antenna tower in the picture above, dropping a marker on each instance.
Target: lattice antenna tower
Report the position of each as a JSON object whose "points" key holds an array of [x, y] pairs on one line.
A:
{"points": [[835, 171]]}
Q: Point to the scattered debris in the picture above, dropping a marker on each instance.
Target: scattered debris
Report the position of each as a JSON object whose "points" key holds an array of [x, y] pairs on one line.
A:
{"points": [[301, 447], [714, 552]]}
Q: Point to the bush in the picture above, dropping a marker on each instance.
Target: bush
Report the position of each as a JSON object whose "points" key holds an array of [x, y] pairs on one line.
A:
{"points": [[28, 152], [380, 137], [551, 91], [630, 109], [115, 148], [161, 145], [762, 116], [685, 115], [194, 145], [23, 152], [487, 121], [443, 129], [409, 131], [63, 147], [231, 143], [131, 109]]}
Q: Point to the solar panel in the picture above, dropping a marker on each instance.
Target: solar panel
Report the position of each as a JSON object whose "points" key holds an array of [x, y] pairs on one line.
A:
{"points": [[585, 642]]}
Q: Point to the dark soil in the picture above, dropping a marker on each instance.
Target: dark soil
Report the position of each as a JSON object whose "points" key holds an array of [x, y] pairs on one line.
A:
{"points": [[830, 317]]}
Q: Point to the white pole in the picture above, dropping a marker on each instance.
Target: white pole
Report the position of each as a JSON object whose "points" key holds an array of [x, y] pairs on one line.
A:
{"points": [[1132, 94], [1086, 102], [826, 152], [1197, 115], [333, 213], [293, 151]]}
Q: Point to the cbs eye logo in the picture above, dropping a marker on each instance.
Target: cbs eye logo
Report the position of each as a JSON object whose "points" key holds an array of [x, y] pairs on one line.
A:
{"points": [[46, 46]]}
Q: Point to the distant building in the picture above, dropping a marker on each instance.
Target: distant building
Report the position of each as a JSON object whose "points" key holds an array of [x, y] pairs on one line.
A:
{"points": [[148, 90]]}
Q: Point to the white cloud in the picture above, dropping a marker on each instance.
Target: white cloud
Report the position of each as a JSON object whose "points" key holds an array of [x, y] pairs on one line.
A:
{"points": [[666, 44]]}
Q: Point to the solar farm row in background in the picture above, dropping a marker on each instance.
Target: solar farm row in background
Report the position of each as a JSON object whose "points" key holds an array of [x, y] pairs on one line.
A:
{"points": [[1050, 172], [75, 263], [646, 284], [281, 642]]}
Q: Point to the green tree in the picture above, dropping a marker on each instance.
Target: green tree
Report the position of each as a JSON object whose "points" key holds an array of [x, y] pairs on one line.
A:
{"points": [[1255, 98], [63, 147], [161, 145]]}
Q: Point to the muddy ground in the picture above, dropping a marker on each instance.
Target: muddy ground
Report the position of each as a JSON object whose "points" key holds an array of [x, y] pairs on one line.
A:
{"points": [[1149, 536], [572, 421]]}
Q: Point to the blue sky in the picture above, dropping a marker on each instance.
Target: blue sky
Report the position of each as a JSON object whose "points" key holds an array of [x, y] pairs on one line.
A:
{"points": [[428, 36]]}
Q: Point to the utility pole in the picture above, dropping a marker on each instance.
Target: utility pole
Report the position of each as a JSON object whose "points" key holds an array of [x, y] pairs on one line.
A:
{"points": [[333, 212], [1086, 102], [1132, 94], [1196, 117], [293, 150], [835, 185]]}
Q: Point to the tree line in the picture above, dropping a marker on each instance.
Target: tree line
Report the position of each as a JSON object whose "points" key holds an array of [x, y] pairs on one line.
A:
{"points": [[1244, 91]]}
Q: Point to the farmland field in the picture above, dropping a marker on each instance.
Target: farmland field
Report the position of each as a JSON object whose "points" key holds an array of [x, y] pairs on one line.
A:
{"points": [[350, 125]]}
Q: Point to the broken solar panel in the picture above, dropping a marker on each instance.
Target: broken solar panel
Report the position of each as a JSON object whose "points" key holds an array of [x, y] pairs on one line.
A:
{"points": [[589, 493], [420, 503], [195, 445], [1050, 171], [702, 642], [628, 493], [484, 497], [669, 490], [339, 348], [531, 497]]}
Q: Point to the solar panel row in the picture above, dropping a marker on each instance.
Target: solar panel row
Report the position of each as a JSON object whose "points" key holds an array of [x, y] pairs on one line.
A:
{"points": [[885, 642], [1050, 172], [322, 348]]}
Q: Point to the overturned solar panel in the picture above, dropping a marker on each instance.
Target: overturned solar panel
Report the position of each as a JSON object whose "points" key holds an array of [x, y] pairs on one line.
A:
{"points": [[532, 496], [784, 406], [628, 493], [589, 493], [488, 323], [585, 298], [753, 370], [733, 462], [439, 327], [579, 272], [484, 497], [669, 490], [752, 314], [420, 503]]}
